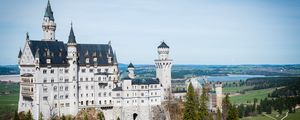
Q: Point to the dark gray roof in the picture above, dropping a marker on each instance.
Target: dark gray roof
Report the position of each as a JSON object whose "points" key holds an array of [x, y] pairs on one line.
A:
{"points": [[117, 89], [71, 36], [163, 45], [55, 50], [20, 54], [101, 51], [115, 58], [48, 12], [130, 65], [145, 81], [27, 75]]}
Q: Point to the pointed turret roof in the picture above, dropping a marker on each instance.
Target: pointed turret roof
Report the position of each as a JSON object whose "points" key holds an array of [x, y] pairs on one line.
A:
{"points": [[37, 55], [48, 12], [130, 65], [20, 53], [115, 58], [163, 45], [71, 36]]}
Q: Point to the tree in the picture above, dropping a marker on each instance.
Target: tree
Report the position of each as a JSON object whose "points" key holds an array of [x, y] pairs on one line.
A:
{"points": [[28, 115], [203, 110], [16, 116], [225, 106], [118, 118], [232, 113], [190, 108], [219, 114], [86, 117], [41, 116], [63, 117], [101, 116]]}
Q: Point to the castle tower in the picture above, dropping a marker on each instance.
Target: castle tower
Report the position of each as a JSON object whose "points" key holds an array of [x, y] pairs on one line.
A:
{"points": [[218, 88], [130, 69], [163, 69], [73, 73], [49, 26]]}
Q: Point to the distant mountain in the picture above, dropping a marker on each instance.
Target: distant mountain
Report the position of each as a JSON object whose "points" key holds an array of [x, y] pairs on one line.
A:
{"points": [[9, 69]]}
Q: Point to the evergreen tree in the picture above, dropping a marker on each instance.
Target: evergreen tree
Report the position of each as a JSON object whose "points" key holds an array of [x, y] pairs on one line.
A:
{"points": [[118, 118], [190, 108], [16, 116], [101, 116], [226, 106], [232, 113], [63, 117], [28, 115], [86, 117], [203, 110], [41, 116], [219, 114], [241, 109]]}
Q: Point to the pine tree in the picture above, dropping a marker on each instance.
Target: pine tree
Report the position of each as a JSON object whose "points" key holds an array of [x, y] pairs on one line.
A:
{"points": [[41, 116], [219, 114], [118, 118], [225, 106], [101, 116], [16, 116], [203, 110], [190, 108], [63, 117], [232, 113], [28, 115], [86, 117]]}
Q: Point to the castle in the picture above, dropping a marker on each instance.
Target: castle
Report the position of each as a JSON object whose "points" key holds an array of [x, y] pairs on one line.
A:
{"points": [[60, 78]]}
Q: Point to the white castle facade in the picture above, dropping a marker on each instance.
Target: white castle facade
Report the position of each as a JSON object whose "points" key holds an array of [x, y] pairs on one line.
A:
{"points": [[60, 78]]}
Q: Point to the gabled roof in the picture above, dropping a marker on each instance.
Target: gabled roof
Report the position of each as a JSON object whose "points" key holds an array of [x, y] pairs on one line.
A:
{"points": [[163, 45], [115, 58], [130, 65], [56, 51], [20, 54], [71, 36], [48, 12], [94, 48]]}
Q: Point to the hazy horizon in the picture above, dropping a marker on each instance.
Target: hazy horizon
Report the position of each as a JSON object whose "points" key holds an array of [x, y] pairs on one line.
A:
{"points": [[198, 32]]}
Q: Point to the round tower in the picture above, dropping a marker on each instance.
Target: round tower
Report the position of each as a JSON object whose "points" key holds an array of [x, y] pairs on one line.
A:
{"points": [[49, 26], [130, 69], [163, 69]]}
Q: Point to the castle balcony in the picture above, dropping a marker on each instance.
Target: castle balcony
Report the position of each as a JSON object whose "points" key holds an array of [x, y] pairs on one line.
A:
{"points": [[106, 106]]}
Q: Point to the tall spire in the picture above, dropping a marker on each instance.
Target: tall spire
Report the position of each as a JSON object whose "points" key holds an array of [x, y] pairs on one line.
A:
{"points": [[49, 12], [71, 35], [115, 58], [27, 36], [20, 53]]}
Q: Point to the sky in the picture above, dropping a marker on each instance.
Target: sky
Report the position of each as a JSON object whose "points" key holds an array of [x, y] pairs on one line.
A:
{"points": [[198, 32]]}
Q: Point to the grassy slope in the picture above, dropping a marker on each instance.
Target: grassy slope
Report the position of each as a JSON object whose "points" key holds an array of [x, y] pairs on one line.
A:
{"points": [[235, 89], [250, 95], [8, 103], [294, 116], [258, 117]]}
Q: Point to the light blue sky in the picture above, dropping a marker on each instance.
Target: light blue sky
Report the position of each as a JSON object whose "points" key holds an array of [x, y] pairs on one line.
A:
{"points": [[198, 32]]}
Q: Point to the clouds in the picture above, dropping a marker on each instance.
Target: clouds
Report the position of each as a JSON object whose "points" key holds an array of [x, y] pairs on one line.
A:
{"points": [[231, 32]]}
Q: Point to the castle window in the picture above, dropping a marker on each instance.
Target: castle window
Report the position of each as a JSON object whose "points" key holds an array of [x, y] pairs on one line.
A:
{"points": [[87, 60], [98, 70], [67, 104], [99, 78], [83, 70], [55, 88], [104, 94], [52, 80], [45, 89], [92, 87], [45, 80], [81, 79], [142, 94], [127, 101], [45, 98], [86, 79], [67, 96], [142, 101], [109, 94], [91, 70], [92, 94], [146, 87], [86, 95], [44, 71], [92, 79], [61, 88], [104, 101], [118, 94], [81, 95], [55, 97], [55, 105], [86, 87], [51, 71], [100, 102], [66, 88], [92, 101], [81, 102], [142, 87], [99, 94], [66, 80], [66, 71], [61, 79]]}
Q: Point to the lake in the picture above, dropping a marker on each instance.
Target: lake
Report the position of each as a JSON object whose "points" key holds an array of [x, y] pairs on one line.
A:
{"points": [[231, 77]]}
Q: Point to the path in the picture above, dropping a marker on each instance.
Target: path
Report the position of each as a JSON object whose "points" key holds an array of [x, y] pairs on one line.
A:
{"points": [[269, 116], [286, 114]]}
